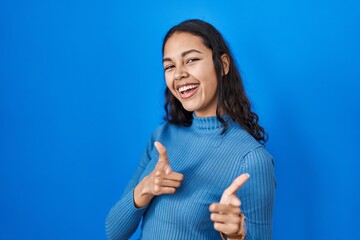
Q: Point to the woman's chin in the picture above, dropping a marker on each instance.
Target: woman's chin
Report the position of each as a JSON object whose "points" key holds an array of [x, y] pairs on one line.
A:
{"points": [[189, 108]]}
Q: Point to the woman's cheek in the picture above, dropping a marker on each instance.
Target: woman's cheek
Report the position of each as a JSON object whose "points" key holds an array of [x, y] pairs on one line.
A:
{"points": [[168, 83]]}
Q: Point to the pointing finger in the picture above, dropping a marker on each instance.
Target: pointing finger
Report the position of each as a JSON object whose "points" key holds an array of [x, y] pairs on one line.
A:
{"points": [[236, 184], [162, 152]]}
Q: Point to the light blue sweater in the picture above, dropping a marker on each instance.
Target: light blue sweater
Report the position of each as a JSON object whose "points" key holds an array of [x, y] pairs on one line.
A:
{"points": [[209, 162]]}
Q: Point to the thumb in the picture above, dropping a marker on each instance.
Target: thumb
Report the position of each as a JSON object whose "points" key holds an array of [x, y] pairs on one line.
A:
{"points": [[163, 156]]}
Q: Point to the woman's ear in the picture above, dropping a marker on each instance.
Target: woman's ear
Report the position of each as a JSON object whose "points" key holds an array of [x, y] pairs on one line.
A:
{"points": [[226, 63]]}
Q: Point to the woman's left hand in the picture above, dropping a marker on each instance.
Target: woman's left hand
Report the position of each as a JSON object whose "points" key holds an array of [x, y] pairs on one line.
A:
{"points": [[226, 214]]}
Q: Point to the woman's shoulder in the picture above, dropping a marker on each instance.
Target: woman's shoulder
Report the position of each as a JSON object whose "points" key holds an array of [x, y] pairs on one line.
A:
{"points": [[166, 128], [243, 137], [163, 131], [244, 143]]}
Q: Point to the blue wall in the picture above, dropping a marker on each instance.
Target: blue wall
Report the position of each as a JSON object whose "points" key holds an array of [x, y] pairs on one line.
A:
{"points": [[81, 90]]}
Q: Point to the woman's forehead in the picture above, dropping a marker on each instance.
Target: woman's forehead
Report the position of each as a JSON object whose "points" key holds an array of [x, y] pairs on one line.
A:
{"points": [[183, 41]]}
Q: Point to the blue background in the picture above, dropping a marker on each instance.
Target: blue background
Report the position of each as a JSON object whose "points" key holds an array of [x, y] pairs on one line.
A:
{"points": [[81, 90]]}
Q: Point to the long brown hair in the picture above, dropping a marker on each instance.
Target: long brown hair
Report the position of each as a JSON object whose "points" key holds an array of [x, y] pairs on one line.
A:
{"points": [[232, 99]]}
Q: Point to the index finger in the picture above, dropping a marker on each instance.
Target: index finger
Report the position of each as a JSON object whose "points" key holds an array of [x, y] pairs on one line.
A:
{"points": [[162, 152], [236, 184]]}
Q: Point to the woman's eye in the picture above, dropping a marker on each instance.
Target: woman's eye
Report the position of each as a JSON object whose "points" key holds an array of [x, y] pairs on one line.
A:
{"points": [[191, 60], [168, 67]]}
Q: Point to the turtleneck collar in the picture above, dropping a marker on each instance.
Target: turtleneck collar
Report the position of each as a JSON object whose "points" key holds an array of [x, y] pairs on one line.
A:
{"points": [[208, 123]]}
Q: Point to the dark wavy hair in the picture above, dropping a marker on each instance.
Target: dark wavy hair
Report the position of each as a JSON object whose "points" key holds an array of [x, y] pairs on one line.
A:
{"points": [[232, 99]]}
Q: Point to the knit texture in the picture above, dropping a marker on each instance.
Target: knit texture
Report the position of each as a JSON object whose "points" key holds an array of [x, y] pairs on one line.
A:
{"points": [[209, 161]]}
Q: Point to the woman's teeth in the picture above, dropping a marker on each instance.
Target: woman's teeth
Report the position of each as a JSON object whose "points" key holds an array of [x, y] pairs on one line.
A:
{"points": [[187, 87]]}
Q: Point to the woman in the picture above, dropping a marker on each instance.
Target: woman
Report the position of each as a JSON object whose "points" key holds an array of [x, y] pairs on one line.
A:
{"points": [[184, 186]]}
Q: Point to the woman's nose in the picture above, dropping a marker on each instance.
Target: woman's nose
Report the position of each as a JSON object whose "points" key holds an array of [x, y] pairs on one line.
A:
{"points": [[180, 73]]}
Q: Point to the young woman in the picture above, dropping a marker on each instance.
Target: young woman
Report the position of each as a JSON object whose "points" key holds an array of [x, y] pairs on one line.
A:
{"points": [[193, 181]]}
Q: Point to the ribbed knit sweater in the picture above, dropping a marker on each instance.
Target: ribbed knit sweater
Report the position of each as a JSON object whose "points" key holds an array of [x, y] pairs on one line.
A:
{"points": [[209, 161]]}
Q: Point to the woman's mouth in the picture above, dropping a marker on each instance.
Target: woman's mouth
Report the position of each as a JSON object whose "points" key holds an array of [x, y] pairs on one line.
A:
{"points": [[188, 91]]}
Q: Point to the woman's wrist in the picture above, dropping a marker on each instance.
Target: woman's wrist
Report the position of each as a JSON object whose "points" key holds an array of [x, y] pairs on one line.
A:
{"points": [[141, 197], [241, 234]]}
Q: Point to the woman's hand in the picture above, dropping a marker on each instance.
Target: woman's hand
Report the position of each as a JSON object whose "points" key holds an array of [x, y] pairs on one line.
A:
{"points": [[162, 180], [226, 214]]}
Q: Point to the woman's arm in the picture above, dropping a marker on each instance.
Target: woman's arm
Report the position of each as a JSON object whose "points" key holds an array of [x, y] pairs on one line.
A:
{"points": [[254, 200], [257, 195], [124, 217]]}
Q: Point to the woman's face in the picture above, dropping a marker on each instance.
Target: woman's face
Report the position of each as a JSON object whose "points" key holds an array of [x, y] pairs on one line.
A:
{"points": [[190, 73]]}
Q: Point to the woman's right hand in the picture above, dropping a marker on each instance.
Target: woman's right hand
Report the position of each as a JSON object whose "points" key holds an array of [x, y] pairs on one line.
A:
{"points": [[162, 180]]}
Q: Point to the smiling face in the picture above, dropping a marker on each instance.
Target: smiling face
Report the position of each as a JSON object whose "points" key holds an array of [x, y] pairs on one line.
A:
{"points": [[190, 73]]}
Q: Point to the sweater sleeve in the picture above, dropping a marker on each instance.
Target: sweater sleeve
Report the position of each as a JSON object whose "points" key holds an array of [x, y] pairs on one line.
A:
{"points": [[123, 219], [257, 194]]}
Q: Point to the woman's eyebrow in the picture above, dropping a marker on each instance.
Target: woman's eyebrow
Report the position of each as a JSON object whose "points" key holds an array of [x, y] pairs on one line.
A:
{"points": [[183, 54]]}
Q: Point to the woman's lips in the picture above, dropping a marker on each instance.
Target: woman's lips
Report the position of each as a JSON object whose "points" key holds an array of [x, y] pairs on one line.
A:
{"points": [[187, 91]]}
